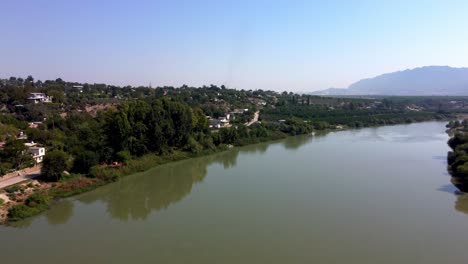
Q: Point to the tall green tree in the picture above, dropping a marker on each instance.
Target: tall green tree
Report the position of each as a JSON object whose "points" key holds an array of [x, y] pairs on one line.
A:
{"points": [[54, 164]]}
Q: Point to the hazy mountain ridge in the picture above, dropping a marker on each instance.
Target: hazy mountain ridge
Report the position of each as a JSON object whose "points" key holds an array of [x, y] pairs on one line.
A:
{"points": [[429, 80]]}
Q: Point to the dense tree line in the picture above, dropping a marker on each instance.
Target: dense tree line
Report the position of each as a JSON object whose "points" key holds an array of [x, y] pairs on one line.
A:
{"points": [[322, 117], [457, 160], [140, 127]]}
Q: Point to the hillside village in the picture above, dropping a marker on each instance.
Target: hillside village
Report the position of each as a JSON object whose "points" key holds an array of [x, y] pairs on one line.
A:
{"points": [[32, 108]]}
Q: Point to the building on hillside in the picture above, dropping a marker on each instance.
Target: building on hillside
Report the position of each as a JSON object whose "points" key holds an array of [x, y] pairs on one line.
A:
{"points": [[30, 144], [240, 110], [219, 122], [34, 124], [22, 136], [78, 88], [39, 98], [37, 153]]}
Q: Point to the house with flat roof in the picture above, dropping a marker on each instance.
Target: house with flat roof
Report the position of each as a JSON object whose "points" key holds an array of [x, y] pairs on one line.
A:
{"points": [[37, 153], [39, 98]]}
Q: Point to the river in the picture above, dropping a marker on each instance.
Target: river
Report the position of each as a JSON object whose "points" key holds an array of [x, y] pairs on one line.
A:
{"points": [[374, 195]]}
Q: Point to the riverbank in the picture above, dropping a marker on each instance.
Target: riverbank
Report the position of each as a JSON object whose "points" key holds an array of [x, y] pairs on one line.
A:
{"points": [[20, 207], [457, 158]]}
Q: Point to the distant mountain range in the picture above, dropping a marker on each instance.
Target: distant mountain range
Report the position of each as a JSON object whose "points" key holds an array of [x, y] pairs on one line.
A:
{"points": [[429, 80]]}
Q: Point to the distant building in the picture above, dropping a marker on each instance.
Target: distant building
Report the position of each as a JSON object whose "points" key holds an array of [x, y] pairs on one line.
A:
{"points": [[30, 144], [39, 98], [240, 110], [22, 136], [78, 87], [34, 124], [37, 153], [219, 122]]}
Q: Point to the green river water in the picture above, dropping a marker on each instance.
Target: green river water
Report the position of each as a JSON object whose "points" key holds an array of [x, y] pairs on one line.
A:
{"points": [[375, 195]]}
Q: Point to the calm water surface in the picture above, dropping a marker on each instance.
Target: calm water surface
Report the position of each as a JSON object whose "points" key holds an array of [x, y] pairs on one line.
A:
{"points": [[376, 195]]}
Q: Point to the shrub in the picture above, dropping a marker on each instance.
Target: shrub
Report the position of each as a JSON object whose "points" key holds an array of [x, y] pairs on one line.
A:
{"points": [[34, 204], [37, 199], [75, 186], [193, 146], [124, 156], [20, 211], [103, 173], [12, 189]]}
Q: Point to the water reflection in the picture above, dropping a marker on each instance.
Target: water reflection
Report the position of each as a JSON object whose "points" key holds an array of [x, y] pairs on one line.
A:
{"points": [[296, 142], [60, 213], [460, 183], [461, 204], [135, 197]]}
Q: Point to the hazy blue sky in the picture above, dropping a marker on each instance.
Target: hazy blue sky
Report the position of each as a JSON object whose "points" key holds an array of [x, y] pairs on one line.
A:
{"points": [[278, 45]]}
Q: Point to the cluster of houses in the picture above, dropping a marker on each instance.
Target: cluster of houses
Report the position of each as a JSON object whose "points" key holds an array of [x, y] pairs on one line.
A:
{"points": [[257, 101], [35, 150], [223, 121]]}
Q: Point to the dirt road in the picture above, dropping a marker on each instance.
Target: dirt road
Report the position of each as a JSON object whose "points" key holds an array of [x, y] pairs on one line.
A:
{"points": [[254, 119], [19, 179]]}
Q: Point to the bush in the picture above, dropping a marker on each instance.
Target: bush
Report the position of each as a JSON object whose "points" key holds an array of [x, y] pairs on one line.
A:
{"points": [[37, 199], [103, 173], [34, 204], [193, 146], [20, 211], [12, 189], [76, 185], [124, 156], [2, 201]]}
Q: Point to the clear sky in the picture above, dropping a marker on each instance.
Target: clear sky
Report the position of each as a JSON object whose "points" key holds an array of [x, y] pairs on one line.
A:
{"points": [[246, 44]]}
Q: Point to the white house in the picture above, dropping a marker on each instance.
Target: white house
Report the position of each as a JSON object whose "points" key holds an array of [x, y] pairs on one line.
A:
{"points": [[78, 87], [219, 122], [30, 144], [22, 135], [39, 98], [240, 110], [37, 153]]}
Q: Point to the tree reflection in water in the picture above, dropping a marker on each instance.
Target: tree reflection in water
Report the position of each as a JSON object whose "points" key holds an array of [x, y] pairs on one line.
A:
{"points": [[135, 197], [60, 212], [461, 204], [294, 143]]}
